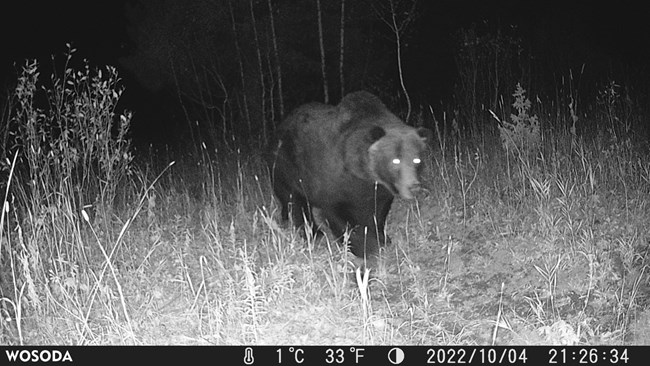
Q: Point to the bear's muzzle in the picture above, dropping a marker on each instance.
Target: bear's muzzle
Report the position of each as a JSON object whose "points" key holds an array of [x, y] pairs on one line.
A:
{"points": [[408, 192]]}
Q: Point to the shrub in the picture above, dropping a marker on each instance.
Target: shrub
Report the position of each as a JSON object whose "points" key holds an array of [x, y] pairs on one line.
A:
{"points": [[76, 137], [72, 152], [523, 134]]}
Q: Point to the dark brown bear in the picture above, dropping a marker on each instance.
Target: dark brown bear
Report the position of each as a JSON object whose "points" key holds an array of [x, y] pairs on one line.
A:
{"points": [[344, 164]]}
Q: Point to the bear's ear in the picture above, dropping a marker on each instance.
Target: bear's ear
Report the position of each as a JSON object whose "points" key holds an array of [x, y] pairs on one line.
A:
{"points": [[425, 133], [376, 133]]}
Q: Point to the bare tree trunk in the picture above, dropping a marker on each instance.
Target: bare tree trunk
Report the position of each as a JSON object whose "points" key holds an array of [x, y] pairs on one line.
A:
{"points": [[277, 59], [496, 76], [241, 69], [195, 143], [398, 44], [271, 82], [341, 78], [322, 52], [261, 70], [397, 17]]}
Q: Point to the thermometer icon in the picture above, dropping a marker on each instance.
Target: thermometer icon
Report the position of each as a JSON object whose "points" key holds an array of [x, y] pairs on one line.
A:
{"points": [[248, 356]]}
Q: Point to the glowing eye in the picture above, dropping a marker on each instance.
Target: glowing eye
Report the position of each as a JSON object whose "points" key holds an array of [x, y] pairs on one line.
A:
{"points": [[416, 161], [396, 161]]}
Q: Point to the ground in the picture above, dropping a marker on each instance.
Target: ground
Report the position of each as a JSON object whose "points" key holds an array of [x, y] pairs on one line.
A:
{"points": [[494, 251]]}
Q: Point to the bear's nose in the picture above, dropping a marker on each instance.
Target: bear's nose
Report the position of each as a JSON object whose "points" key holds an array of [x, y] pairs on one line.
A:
{"points": [[409, 191], [415, 187]]}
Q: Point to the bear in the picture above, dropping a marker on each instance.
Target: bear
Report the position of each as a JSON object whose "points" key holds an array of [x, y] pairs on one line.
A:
{"points": [[344, 165]]}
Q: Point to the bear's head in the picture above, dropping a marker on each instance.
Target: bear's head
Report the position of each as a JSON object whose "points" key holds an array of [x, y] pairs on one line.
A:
{"points": [[395, 157]]}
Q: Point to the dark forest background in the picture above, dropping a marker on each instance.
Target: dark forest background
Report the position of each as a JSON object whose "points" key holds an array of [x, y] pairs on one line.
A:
{"points": [[233, 68], [211, 71]]}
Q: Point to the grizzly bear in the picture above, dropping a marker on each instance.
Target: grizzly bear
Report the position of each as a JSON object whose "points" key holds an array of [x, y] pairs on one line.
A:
{"points": [[344, 164]]}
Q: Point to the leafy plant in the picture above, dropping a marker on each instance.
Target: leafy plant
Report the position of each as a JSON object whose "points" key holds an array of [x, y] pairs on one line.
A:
{"points": [[76, 138], [523, 134], [72, 151]]}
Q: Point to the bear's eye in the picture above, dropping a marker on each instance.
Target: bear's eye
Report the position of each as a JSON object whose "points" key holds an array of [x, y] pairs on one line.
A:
{"points": [[396, 161], [416, 161]]}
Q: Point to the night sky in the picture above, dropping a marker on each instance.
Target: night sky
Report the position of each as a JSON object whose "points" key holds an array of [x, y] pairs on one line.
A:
{"points": [[615, 31]]}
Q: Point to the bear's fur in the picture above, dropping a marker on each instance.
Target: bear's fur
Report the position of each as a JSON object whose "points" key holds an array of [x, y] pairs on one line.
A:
{"points": [[344, 164]]}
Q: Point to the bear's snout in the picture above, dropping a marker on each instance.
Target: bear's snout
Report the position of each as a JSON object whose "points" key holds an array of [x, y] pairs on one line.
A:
{"points": [[408, 191]]}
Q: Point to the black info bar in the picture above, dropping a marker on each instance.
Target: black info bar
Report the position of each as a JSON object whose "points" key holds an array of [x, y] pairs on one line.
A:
{"points": [[329, 355]]}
